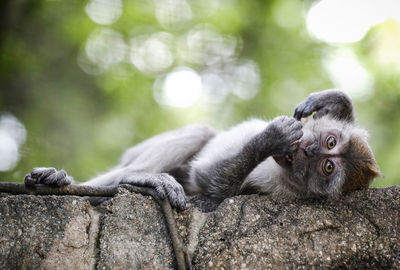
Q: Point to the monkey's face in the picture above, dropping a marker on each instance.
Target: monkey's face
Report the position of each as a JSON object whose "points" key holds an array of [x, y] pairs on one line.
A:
{"points": [[327, 156], [317, 165]]}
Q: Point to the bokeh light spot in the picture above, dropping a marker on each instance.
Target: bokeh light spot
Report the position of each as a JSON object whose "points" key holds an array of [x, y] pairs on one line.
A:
{"points": [[336, 21], [180, 88], [244, 79], [348, 74], [214, 88], [173, 14], [105, 47], [104, 12], [12, 136], [151, 54], [204, 45]]}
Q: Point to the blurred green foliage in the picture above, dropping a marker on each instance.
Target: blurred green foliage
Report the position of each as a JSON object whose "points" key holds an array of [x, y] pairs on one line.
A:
{"points": [[80, 114]]}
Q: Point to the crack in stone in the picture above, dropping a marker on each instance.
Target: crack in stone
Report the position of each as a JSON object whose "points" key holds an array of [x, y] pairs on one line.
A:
{"points": [[324, 228], [94, 232], [365, 216]]}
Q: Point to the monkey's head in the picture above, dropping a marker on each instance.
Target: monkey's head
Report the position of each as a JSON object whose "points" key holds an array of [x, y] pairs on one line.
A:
{"points": [[333, 157]]}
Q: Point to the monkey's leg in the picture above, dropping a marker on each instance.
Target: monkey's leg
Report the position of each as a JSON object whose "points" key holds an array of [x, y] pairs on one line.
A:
{"points": [[165, 186], [328, 102], [224, 178], [144, 164], [159, 154], [167, 150]]}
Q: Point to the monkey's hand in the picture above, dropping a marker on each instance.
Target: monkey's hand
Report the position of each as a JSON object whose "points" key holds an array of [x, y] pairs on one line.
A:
{"points": [[333, 102], [165, 186], [284, 134], [48, 176], [281, 137]]}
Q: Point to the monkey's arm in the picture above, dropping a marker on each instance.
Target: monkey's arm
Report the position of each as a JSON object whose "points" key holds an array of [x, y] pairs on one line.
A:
{"points": [[333, 102], [224, 178]]}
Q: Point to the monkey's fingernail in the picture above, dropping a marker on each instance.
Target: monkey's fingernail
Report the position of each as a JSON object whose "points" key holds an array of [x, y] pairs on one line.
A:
{"points": [[295, 142]]}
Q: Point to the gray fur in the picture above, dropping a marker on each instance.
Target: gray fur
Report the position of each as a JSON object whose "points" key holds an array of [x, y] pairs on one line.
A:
{"points": [[241, 160], [225, 178]]}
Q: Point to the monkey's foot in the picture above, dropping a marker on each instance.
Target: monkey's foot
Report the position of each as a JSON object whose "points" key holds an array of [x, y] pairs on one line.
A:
{"points": [[164, 185], [48, 176]]}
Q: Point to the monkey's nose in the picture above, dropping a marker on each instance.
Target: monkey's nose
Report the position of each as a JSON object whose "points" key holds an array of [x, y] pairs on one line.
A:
{"points": [[310, 150]]}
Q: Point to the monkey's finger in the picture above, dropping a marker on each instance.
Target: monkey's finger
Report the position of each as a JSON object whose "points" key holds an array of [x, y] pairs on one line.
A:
{"points": [[42, 172], [295, 139], [29, 180], [322, 112], [48, 176], [306, 108], [295, 128], [56, 178], [176, 196], [182, 204], [178, 202], [303, 111], [293, 122], [299, 111], [161, 193], [296, 124]]}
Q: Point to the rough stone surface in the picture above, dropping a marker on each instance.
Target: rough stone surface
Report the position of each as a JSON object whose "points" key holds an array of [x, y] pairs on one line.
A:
{"points": [[134, 235], [44, 232], [358, 231]]}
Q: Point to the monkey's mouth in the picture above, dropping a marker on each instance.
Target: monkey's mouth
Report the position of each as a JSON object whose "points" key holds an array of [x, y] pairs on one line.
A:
{"points": [[289, 158], [299, 155], [284, 161]]}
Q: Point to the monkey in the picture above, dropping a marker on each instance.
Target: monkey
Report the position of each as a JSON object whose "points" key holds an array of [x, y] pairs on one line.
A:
{"points": [[320, 152]]}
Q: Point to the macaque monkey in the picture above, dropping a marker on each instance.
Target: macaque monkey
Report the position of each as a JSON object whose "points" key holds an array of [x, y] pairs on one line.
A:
{"points": [[300, 157]]}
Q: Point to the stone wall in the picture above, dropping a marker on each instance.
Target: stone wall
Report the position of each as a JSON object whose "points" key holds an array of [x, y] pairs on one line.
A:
{"points": [[360, 230]]}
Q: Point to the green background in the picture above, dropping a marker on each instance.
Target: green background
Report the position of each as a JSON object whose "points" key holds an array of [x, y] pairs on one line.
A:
{"points": [[80, 114]]}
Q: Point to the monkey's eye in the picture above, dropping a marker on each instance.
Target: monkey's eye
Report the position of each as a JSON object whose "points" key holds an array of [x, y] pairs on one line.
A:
{"points": [[328, 167], [331, 142]]}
